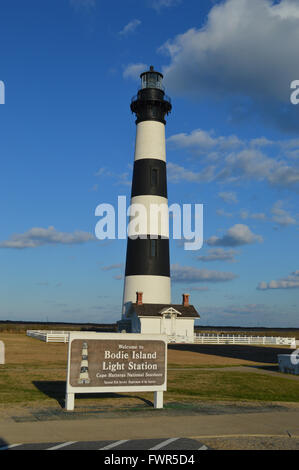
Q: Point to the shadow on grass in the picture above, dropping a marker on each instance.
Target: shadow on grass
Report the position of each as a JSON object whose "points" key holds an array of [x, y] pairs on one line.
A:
{"points": [[56, 390], [272, 368], [262, 354]]}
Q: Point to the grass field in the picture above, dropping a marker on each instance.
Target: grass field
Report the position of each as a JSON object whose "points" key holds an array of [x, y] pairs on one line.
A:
{"points": [[35, 372]]}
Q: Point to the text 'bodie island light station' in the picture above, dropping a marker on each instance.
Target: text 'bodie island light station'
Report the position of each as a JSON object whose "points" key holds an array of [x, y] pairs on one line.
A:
{"points": [[147, 304]]}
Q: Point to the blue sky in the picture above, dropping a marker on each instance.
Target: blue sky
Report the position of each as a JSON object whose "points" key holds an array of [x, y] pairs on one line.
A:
{"points": [[70, 68]]}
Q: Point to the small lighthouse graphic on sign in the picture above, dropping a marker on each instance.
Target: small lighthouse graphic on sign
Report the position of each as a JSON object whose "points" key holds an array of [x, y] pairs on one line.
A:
{"points": [[84, 376], [147, 263]]}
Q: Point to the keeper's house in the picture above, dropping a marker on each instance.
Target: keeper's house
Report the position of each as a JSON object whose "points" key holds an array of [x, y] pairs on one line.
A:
{"points": [[175, 321]]}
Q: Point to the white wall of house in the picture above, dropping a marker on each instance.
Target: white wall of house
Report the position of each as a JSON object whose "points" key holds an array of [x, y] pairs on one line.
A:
{"points": [[150, 325], [185, 327], [170, 326]]}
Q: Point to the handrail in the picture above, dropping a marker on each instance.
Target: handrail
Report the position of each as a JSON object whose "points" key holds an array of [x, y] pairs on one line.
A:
{"points": [[165, 98]]}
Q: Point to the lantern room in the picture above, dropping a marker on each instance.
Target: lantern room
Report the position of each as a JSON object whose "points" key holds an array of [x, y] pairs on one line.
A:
{"points": [[151, 79]]}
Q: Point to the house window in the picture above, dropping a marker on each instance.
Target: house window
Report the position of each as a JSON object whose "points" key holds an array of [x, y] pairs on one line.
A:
{"points": [[154, 177], [153, 248]]}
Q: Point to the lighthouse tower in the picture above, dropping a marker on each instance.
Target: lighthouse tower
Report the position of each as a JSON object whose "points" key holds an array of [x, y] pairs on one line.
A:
{"points": [[147, 263], [147, 307]]}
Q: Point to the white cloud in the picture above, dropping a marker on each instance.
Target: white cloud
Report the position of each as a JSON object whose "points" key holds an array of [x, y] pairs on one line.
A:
{"points": [[257, 215], [278, 215], [287, 9], [122, 178], [246, 47], [158, 4], [190, 274], [248, 163], [281, 216], [261, 142], [218, 254], [284, 175], [176, 173], [130, 27], [199, 289], [133, 71], [112, 266], [101, 171], [228, 196], [230, 160], [288, 282], [202, 141], [37, 236], [237, 235], [223, 213]]}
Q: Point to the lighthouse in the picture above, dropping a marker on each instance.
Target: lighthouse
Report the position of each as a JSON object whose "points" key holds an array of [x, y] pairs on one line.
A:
{"points": [[147, 304], [84, 375], [147, 261]]}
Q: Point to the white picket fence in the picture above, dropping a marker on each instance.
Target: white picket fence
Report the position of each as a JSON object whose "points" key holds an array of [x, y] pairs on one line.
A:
{"points": [[50, 336], [239, 339]]}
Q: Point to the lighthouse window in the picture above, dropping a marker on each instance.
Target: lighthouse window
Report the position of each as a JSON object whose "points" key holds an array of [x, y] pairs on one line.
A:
{"points": [[153, 248], [154, 177]]}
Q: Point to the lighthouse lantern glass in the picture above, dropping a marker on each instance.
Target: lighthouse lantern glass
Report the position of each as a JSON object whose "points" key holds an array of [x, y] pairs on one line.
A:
{"points": [[151, 80]]}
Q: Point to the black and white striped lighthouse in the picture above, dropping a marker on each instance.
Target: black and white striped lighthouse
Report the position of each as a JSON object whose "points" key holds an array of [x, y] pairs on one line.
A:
{"points": [[147, 261]]}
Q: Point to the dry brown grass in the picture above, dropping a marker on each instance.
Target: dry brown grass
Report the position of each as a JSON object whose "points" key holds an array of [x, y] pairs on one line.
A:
{"points": [[23, 350], [35, 372]]}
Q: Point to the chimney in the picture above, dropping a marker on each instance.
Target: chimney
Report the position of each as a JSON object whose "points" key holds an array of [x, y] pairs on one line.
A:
{"points": [[186, 300], [139, 298]]}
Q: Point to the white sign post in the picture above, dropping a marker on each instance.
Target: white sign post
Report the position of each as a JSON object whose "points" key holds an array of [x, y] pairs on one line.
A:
{"points": [[116, 362]]}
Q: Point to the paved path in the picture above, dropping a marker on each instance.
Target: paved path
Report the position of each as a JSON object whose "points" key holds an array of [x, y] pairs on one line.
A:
{"points": [[201, 427]]}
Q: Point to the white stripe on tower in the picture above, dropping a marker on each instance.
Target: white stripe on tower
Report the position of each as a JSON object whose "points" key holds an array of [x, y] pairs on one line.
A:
{"points": [[150, 140], [156, 289], [156, 220]]}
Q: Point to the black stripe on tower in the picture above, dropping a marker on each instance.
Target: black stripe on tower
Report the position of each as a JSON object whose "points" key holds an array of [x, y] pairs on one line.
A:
{"points": [[148, 257], [150, 104], [149, 178]]}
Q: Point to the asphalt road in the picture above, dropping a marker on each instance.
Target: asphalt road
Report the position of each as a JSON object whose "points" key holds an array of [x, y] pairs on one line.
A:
{"points": [[216, 426], [123, 444]]}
